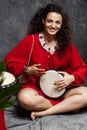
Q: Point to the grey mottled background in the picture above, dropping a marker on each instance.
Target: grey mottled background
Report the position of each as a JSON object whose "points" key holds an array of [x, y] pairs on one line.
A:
{"points": [[14, 18], [15, 15]]}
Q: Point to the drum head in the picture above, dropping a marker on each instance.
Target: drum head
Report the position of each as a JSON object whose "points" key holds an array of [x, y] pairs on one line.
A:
{"points": [[8, 79], [47, 84]]}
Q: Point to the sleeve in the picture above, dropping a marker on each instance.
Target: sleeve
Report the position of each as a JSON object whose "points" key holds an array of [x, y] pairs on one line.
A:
{"points": [[18, 57], [78, 67]]}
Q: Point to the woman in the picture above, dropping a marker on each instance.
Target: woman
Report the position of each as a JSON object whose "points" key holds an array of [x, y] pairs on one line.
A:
{"points": [[52, 49]]}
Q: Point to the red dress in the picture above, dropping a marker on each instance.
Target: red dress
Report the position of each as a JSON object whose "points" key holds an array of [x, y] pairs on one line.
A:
{"points": [[69, 61]]}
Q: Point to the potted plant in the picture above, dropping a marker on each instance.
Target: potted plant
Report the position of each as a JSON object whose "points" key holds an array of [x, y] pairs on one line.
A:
{"points": [[7, 91]]}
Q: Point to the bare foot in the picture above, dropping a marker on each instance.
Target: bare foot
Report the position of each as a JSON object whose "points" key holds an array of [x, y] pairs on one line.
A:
{"points": [[33, 115], [36, 114]]}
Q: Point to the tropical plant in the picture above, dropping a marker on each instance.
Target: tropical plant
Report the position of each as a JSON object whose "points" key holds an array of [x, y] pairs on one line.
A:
{"points": [[7, 95]]}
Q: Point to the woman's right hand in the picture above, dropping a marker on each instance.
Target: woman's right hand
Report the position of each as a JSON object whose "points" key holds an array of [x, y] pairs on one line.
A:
{"points": [[35, 70]]}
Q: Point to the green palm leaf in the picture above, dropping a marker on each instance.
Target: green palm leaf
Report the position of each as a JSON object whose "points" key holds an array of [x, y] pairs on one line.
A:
{"points": [[2, 66], [7, 104], [7, 93]]}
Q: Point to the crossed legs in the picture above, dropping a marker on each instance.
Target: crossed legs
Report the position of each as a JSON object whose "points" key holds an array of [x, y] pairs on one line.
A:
{"points": [[30, 100], [74, 99]]}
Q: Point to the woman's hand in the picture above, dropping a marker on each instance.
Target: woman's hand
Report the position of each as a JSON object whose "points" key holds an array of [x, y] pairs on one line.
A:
{"points": [[65, 81], [35, 70]]}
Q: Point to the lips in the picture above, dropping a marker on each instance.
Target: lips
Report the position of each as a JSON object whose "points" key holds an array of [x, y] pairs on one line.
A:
{"points": [[52, 30]]}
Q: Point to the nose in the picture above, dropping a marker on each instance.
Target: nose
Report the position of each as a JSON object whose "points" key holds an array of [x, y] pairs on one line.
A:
{"points": [[53, 25]]}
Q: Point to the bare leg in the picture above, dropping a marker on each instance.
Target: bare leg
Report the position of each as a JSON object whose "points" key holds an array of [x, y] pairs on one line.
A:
{"points": [[30, 100], [74, 99]]}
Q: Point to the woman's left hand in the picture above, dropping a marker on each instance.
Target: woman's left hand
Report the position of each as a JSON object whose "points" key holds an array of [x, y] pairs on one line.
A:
{"points": [[65, 81]]}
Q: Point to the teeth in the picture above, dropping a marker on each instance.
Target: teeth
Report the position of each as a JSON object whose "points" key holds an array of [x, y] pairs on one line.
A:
{"points": [[52, 29]]}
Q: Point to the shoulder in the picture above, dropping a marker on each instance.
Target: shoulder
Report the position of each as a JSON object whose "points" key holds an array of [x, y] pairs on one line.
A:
{"points": [[32, 35], [28, 39]]}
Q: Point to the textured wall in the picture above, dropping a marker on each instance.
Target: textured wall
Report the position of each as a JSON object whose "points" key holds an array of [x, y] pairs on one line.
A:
{"points": [[15, 15]]}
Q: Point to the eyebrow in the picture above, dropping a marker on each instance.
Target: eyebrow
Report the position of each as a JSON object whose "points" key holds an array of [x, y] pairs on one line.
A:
{"points": [[52, 20]]}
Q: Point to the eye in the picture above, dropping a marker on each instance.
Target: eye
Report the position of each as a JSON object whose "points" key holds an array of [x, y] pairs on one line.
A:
{"points": [[58, 22], [49, 20]]}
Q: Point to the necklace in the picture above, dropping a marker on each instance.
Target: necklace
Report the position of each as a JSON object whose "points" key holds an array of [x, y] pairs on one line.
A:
{"points": [[45, 46]]}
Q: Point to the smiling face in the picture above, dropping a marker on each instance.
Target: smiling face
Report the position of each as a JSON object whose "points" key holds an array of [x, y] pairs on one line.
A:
{"points": [[52, 23]]}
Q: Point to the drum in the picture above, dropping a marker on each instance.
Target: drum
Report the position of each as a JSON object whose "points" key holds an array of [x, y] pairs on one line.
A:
{"points": [[7, 79], [47, 84], [8, 88]]}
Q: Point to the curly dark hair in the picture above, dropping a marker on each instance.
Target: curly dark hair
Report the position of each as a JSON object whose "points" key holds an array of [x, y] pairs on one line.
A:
{"points": [[64, 35]]}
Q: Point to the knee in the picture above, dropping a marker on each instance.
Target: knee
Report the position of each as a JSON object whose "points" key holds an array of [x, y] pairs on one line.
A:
{"points": [[83, 91], [25, 100]]}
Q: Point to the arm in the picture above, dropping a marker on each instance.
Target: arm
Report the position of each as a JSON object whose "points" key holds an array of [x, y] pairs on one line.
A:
{"points": [[79, 68], [17, 58], [75, 72]]}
